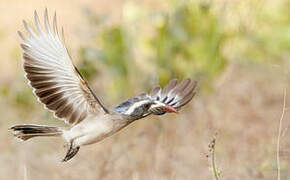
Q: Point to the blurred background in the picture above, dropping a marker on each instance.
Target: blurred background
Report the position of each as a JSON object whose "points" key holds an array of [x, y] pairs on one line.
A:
{"points": [[239, 51]]}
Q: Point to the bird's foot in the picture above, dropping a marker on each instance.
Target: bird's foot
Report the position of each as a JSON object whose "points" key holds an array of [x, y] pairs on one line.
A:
{"points": [[72, 151]]}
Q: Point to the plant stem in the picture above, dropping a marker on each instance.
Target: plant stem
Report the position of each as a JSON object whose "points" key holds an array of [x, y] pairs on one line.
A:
{"points": [[279, 135], [212, 150]]}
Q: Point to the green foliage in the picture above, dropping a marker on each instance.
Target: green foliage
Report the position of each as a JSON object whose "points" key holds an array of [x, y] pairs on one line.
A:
{"points": [[186, 42], [20, 97], [113, 56], [116, 53], [269, 38], [87, 67], [23, 97]]}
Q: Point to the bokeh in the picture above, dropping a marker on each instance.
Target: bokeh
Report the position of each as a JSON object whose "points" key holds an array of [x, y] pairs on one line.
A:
{"points": [[238, 51]]}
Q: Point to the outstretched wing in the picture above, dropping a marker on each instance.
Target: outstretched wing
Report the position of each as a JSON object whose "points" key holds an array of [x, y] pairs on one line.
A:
{"points": [[55, 80], [174, 94]]}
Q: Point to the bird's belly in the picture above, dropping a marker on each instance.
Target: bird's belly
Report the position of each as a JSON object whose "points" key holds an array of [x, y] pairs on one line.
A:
{"points": [[91, 131]]}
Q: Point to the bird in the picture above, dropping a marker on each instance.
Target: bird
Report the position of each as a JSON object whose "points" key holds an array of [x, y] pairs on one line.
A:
{"points": [[61, 88]]}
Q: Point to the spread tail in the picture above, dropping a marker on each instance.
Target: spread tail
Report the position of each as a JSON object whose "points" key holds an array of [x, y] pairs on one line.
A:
{"points": [[27, 131]]}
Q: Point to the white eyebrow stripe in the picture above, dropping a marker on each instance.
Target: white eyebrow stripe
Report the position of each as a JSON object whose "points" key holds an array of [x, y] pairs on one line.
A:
{"points": [[157, 104], [134, 106]]}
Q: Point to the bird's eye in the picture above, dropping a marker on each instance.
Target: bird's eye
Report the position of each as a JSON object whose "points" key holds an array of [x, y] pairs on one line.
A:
{"points": [[146, 106]]}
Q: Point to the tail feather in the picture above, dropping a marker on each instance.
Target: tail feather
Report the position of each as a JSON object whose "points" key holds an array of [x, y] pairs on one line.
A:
{"points": [[27, 131]]}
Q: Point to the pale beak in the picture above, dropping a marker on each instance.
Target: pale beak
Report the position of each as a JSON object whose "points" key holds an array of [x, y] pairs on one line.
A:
{"points": [[160, 105]]}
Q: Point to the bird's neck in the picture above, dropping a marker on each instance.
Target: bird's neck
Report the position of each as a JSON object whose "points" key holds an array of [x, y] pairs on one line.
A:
{"points": [[121, 121]]}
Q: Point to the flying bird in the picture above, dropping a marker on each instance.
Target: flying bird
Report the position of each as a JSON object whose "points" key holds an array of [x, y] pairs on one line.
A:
{"points": [[60, 87]]}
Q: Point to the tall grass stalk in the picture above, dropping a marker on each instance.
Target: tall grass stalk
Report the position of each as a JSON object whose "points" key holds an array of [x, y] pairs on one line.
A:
{"points": [[279, 135], [211, 145]]}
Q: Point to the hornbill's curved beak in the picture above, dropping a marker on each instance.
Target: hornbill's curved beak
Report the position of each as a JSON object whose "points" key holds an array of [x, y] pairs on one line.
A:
{"points": [[159, 105]]}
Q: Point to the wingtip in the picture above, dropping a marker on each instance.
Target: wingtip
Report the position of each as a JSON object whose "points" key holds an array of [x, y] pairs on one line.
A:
{"points": [[35, 13], [55, 29], [19, 33], [175, 80], [195, 82], [24, 22], [187, 79], [54, 16], [36, 17], [24, 46], [45, 10], [45, 15], [62, 34], [26, 26]]}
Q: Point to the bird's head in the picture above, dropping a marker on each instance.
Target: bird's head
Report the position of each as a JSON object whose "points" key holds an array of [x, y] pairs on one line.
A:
{"points": [[142, 106]]}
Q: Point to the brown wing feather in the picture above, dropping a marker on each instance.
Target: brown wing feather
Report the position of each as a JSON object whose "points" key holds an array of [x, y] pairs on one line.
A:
{"points": [[172, 84], [56, 81], [174, 94], [154, 92]]}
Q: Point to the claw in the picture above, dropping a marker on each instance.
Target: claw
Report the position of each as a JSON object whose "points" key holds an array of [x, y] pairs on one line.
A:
{"points": [[72, 151]]}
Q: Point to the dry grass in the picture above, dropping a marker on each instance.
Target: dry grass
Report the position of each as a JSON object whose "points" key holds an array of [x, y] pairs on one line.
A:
{"points": [[216, 172], [279, 135]]}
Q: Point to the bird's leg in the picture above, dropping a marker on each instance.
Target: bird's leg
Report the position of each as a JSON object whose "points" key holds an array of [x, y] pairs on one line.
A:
{"points": [[72, 151]]}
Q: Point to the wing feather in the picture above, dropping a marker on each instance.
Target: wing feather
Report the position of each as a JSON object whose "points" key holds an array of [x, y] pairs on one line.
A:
{"points": [[155, 92], [55, 80], [174, 94], [172, 84]]}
